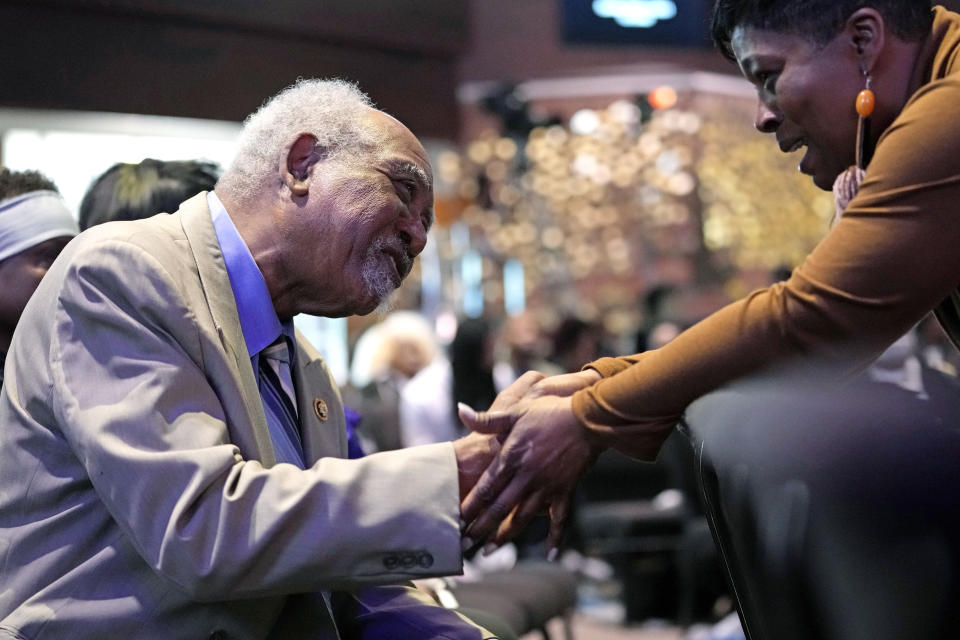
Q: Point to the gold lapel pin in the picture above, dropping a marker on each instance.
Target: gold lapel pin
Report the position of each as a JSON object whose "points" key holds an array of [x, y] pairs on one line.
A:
{"points": [[320, 408]]}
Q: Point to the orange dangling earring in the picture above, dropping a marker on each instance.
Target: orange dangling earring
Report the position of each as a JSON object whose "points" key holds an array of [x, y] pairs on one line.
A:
{"points": [[866, 101], [847, 184]]}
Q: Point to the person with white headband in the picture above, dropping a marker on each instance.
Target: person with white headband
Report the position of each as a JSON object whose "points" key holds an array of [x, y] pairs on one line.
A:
{"points": [[35, 226]]}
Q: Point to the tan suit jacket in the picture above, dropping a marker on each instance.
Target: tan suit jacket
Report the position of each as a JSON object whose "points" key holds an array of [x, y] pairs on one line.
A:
{"points": [[138, 492]]}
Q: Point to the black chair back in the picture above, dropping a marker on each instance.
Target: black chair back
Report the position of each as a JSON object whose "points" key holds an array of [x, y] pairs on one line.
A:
{"points": [[836, 509]]}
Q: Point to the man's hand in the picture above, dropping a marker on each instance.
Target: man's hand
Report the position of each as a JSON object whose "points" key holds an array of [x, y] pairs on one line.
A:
{"points": [[545, 454], [475, 451]]}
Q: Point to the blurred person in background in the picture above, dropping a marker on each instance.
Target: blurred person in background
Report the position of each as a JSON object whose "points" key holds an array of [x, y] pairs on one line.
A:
{"points": [[472, 364], [521, 347], [655, 301], [402, 345], [575, 341], [35, 226], [428, 403], [129, 191]]}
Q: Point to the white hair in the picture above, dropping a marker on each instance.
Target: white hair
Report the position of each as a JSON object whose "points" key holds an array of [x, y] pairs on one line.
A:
{"points": [[331, 110], [374, 350]]}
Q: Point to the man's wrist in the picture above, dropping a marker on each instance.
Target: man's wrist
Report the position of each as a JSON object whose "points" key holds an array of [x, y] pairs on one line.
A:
{"points": [[473, 453]]}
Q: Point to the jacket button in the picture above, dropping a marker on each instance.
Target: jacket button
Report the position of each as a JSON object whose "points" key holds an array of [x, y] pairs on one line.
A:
{"points": [[218, 635], [425, 560], [391, 562]]}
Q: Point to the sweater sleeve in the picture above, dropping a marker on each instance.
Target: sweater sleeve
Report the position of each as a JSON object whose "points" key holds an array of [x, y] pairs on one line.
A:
{"points": [[889, 261]]}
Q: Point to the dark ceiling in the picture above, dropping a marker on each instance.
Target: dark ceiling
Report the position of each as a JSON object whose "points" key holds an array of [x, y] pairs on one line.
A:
{"points": [[221, 58]]}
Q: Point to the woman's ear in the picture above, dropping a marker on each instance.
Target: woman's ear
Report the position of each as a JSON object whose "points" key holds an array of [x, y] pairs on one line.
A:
{"points": [[866, 31], [297, 163]]}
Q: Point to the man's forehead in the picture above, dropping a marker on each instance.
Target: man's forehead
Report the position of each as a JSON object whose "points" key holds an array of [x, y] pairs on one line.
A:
{"points": [[399, 138], [389, 125]]}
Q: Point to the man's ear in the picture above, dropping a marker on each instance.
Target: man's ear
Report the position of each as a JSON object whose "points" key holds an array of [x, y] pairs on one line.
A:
{"points": [[297, 163], [866, 30]]}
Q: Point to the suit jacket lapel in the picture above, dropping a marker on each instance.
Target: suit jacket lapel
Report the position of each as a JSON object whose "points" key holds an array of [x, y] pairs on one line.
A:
{"points": [[198, 227], [322, 425]]}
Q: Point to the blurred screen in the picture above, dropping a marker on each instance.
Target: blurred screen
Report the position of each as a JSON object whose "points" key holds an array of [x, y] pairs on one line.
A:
{"points": [[680, 23]]}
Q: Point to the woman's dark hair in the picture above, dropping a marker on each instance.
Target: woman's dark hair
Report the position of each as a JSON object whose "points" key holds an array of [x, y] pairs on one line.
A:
{"points": [[471, 365], [134, 191], [16, 183], [816, 20]]}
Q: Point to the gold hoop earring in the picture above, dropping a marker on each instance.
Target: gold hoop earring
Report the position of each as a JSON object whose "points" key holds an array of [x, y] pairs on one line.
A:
{"points": [[866, 101]]}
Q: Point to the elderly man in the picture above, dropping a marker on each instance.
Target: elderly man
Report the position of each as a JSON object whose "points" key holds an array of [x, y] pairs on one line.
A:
{"points": [[170, 450], [35, 225]]}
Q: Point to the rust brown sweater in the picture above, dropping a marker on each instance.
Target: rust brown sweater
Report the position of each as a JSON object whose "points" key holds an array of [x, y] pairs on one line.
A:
{"points": [[892, 258]]}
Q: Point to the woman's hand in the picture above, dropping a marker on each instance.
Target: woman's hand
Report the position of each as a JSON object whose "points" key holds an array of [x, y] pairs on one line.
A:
{"points": [[544, 454]]}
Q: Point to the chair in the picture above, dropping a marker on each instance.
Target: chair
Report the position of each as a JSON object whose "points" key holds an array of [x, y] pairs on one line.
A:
{"points": [[836, 510], [525, 597], [645, 520]]}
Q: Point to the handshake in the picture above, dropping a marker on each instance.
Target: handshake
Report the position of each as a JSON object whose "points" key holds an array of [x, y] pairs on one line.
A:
{"points": [[526, 455]]}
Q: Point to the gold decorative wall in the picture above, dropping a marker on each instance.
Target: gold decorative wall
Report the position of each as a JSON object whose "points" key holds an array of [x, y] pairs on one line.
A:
{"points": [[604, 206], [756, 206]]}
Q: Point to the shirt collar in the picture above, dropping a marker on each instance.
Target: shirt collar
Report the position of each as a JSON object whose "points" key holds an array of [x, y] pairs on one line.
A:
{"points": [[258, 319]]}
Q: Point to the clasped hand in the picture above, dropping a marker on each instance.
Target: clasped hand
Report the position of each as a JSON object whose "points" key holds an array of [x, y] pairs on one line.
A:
{"points": [[543, 451]]}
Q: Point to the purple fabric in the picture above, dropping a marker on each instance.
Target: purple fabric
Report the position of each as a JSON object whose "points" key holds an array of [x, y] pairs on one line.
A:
{"points": [[354, 449], [391, 612]]}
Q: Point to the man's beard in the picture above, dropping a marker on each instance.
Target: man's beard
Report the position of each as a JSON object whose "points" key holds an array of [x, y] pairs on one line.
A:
{"points": [[378, 277]]}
